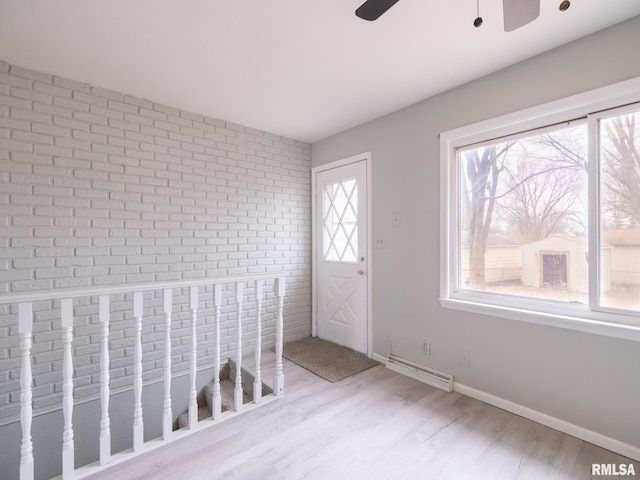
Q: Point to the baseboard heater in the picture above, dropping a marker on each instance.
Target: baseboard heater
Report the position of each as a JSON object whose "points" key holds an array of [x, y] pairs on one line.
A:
{"points": [[437, 379]]}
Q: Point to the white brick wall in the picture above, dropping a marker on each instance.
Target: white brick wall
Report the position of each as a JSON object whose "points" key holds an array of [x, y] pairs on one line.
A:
{"points": [[98, 187]]}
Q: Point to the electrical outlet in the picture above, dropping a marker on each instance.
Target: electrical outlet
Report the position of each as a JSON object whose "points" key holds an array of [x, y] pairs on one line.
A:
{"points": [[465, 358], [380, 242], [426, 348]]}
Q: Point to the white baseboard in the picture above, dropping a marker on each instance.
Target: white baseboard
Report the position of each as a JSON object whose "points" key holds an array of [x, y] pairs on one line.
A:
{"points": [[590, 436], [379, 358]]}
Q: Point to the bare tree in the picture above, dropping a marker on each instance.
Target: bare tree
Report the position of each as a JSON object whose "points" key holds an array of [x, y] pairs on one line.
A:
{"points": [[620, 151], [544, 188], [482, 168], [543, 204]]}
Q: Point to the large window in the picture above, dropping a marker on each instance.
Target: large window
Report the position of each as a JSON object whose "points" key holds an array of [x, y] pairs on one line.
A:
{"points": [[541, 214], [618, 156]]}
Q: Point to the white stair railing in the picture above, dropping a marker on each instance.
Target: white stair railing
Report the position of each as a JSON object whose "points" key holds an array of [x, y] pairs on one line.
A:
{"points": [[25, 301]]}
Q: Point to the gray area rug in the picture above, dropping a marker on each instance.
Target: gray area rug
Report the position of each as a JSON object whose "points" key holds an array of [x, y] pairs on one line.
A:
{"points": [[327, 360]]}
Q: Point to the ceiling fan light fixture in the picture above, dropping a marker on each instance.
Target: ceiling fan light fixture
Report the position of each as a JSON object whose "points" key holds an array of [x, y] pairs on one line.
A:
{"points": [[478, 21], [564, 5]]}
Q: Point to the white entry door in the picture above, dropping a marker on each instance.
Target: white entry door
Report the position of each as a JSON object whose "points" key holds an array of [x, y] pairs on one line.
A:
{"points": [[341, 255]]}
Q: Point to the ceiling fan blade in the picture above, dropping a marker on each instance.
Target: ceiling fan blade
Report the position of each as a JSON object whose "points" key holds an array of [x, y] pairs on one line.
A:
{"points": [[372, 9], [518, 13]]}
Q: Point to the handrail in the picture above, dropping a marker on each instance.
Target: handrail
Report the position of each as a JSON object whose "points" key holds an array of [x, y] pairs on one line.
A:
{"points": [[94, 291]]}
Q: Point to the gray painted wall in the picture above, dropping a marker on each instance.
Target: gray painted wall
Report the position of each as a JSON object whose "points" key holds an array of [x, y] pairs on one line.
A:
{"points": [[587, 380]]}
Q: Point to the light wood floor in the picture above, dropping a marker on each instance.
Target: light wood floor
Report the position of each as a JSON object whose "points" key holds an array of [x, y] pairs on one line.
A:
{"points": [[374, 425]]}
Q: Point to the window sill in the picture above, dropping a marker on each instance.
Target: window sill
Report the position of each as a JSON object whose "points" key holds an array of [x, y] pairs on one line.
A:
{"points": [[580, 324]]}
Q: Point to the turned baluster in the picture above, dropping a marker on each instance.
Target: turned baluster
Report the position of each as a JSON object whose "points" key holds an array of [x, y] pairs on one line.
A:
{"points": [[216, 409], [193, 395], [138, 426], [25, 328], [66, 310], [237, 393], [167, 418], [278, 381], [105, 422], [257, 383]]}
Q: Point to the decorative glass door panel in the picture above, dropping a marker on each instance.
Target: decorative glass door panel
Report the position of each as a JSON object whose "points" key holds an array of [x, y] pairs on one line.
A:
{"points": [[340, 221]]}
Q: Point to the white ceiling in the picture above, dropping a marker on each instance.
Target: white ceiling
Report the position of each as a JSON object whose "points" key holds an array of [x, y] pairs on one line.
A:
{"points": [[305, 69]]}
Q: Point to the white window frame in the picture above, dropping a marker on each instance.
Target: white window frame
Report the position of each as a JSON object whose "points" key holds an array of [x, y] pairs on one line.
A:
{"points": [[585, 318]]}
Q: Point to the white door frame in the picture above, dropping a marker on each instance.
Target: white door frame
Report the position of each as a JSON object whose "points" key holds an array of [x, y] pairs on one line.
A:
{"points": [[366, 156]]}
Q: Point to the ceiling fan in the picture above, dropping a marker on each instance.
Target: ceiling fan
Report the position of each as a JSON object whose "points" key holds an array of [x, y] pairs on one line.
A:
{"points": [[517, 13]]}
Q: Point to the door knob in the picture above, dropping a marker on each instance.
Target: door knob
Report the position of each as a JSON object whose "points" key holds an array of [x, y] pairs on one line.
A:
{"points": [[360, 272]]}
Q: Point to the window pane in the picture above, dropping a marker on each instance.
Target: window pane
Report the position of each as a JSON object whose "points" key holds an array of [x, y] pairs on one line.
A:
{"points": [[523, 218], [340, 223], [620, 211]]}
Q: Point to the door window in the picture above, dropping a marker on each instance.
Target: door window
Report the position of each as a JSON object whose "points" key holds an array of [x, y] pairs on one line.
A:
{"points": [[340, 221]]}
